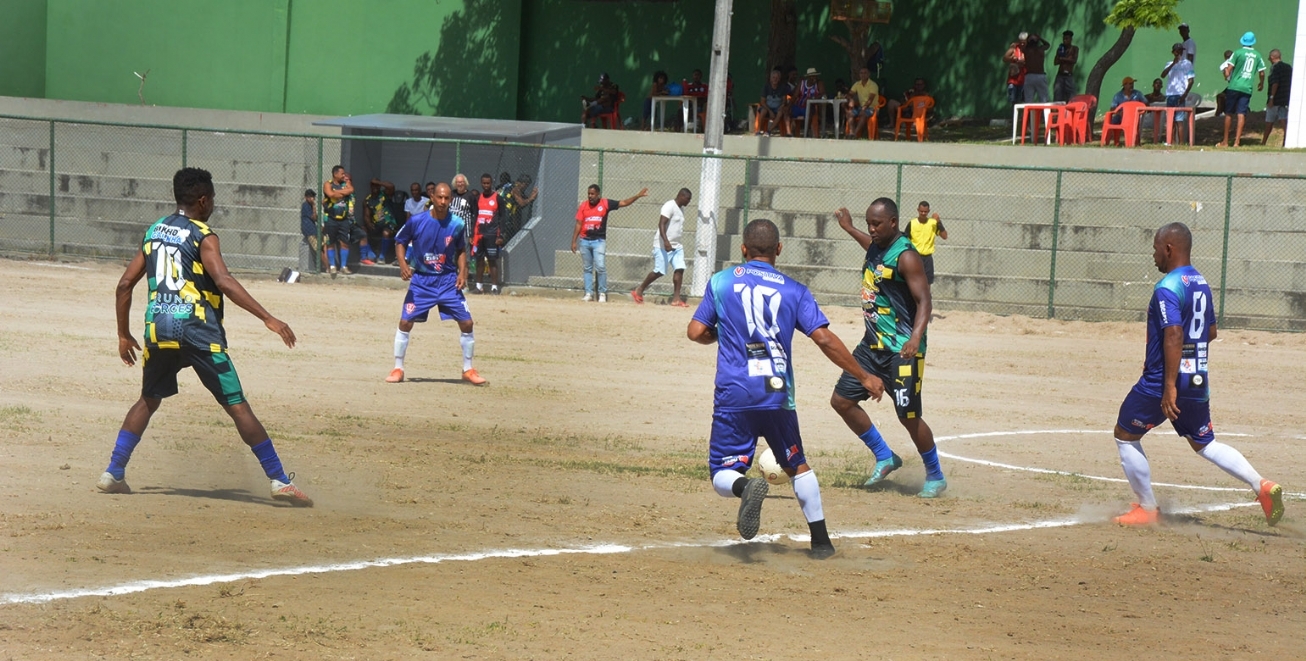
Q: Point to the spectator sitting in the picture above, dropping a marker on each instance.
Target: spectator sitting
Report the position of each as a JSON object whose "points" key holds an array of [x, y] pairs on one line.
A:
{"points": [[863, 101], [658, 88], [603, 101], [1157, 95], [416, 202], [840, 87], [696, 86], [791, 76], [810, 87], [774, 107], [379, 223], [917, 89], [1126, 93]]}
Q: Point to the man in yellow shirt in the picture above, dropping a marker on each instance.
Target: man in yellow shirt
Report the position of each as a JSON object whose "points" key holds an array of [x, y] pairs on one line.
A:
{"points": [[863, 97], [923, 228]]}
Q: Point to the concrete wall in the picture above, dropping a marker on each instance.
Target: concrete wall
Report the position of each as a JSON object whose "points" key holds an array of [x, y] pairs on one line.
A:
{"points": [[22, 48]]}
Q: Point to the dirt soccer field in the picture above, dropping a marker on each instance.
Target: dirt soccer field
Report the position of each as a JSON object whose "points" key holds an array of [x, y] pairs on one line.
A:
{"points": [[565, 509]]}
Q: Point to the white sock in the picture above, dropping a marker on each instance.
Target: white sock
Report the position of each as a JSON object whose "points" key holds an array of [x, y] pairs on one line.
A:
{"points": [[808, 492], [468, 342], [478, 287], [724, 483], [1232, 462], [401, 348], [1139, 473]]}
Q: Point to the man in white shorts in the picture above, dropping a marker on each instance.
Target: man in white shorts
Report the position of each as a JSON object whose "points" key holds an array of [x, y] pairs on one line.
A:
{"points": [[668, 254]]}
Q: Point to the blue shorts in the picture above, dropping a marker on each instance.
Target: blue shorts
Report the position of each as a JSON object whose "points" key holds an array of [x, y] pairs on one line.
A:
{"points": [[1235, 102], [665, 262], [735, 434], [1139, 413], [426, 292]]}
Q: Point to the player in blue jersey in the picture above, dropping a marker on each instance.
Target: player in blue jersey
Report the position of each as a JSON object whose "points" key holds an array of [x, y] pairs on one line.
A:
{"points": [[1176, 385], [752, 310], [437, 241], [188, 280]]}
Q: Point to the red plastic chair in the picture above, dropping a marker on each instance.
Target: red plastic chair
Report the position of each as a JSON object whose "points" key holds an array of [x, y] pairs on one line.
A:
{"points": [[609, 120], [1069, 119], [1127, 126], [1087, 128], [920, 107]]}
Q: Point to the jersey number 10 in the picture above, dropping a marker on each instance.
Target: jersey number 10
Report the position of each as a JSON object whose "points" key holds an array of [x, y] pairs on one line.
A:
{"points": [[167, 268], [757, 301]]}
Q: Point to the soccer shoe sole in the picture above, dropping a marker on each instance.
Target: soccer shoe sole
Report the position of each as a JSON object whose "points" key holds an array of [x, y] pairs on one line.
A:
{"points": [[750, 507], [933, 489], [882, 470], [109, 485], [1271, 500], [289, 493]]}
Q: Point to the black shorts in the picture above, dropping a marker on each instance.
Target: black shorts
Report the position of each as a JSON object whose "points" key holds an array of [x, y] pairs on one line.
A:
{"points": [[902, 379], [160, 368], [485, 247], [929, 267], [341, 231]]}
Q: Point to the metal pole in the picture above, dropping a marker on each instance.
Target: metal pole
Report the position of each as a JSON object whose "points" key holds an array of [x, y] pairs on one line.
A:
{"points": [[51, 190], [183, 147], [1224, 253], [317, 208], [458, 157], [600, 181], [709, 183], [897, 193], [1056, 231]]}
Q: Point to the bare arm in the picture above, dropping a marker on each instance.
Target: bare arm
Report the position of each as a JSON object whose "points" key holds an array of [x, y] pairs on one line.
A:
{"points": [[943, 233], [700, 332], [127, 345], [1274, 89], [833, 348], [1261, 86], [846, 222], [631, 200], [461, 282], [663, 221], [211, 257], [913, 270], [1172, 346], [1213, 332], [401, 254], [389, 187], [575, 236]]}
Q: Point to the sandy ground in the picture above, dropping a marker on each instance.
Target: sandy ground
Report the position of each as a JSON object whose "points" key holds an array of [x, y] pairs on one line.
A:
{"points": [[591, 437]]}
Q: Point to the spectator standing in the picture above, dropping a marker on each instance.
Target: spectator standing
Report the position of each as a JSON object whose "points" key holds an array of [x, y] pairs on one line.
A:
{"points": [[1036, 78], [487, 238], [1063, 88], [810, 87], [668, 253], [1190, 46], [1240, 69], [1179, 79], [875, 60], [517, 203], [863, 101], [774, 107], [1276, 106], [591, 237], [379, 221], [339, 229], [308, 228], [1014, 58], [923, 229], [415, 203]]}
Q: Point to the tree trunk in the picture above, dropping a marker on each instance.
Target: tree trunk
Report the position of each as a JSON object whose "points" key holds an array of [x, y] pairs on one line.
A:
{"points": [[782, 46], [857, 45], [1109, 58]]}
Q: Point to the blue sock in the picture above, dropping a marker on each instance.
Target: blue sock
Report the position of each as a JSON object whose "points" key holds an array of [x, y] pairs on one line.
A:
{"points": [[122, 453], [931, 459], [267, 455], [876, 443], [366, 252], [344, 257], [331, 257]]}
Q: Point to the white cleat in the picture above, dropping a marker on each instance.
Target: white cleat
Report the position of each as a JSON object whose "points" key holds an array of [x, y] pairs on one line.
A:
{"points": [[287, 492], [108, 484]]}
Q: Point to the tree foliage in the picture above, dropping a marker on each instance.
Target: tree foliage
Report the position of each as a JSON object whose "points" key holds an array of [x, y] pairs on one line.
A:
{"points": [[1129, 16]]}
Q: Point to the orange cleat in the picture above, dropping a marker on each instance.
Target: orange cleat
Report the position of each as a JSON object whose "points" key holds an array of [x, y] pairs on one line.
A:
{"points": [[679, 303], [1271, 500], [1138, 516], [396, 375], [470, 376], [635, 296]]}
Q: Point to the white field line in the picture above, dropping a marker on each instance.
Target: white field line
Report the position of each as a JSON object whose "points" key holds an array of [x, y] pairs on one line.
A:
{"points": [[601, 549]]}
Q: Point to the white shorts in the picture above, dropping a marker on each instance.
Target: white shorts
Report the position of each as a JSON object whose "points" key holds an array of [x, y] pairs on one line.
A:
{"points": [[662, 259]]}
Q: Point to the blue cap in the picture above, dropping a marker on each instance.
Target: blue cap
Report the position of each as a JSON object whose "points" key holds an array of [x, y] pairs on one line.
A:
{"points": [[1249, 39]]}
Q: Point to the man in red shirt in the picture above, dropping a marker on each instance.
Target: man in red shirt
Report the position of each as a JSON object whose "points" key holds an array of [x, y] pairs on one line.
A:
{"points": [[592, 223]]}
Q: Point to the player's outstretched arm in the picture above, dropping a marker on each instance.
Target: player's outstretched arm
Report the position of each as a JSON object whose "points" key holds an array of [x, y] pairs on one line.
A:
{"points": [[700, 332], [913, 270], [846, 223], [127, 345], [631, 200], [833, 348], [211, 257]]}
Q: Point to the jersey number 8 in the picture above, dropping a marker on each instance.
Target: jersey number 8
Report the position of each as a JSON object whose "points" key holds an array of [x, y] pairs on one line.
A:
{"points": [[1198, 324]]}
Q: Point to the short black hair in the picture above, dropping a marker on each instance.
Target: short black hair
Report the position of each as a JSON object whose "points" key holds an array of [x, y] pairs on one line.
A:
{"points": [[336, 169], [923, 204], [660, 74], [761, 237], [595, 188], [1068, 33], [888, 204], [1177, 233], [429, 184], [190, 184], [487, 175], [310, 193], [686, 191], [698, 71]]}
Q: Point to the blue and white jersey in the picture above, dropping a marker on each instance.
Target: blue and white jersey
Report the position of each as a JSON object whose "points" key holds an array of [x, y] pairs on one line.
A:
{"points": [[755, 310], [1182, 298], [433, 244]]}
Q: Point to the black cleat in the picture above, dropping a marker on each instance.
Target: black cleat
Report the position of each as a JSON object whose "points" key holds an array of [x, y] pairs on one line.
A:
{"points": [[750, 507]]}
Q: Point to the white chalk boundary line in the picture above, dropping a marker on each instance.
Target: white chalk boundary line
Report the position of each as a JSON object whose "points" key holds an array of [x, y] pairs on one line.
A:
{"points": [[601, 549]]}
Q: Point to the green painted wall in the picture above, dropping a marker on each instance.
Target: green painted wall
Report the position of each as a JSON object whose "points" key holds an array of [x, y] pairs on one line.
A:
{"points": [[22, 48]]}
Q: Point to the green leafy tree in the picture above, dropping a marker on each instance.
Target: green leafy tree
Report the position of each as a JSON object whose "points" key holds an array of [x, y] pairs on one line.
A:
{"points": [[1129, 16]]}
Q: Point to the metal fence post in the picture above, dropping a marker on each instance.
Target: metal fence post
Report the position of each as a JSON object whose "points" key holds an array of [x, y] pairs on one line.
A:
{"points": [[748, 191], [1224, 252], [1056, 231], [184, 137], [600, 169], [897, 192], [458, 156], [317, 208], [52, 190]]}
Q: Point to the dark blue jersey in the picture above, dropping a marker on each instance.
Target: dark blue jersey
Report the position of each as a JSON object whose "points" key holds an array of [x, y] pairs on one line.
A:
{"points": [[1182, 298], [755, 310], [435, 244]]}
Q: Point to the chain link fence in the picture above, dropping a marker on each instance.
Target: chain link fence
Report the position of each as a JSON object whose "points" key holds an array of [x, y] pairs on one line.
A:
{"points": [[1043, 242]]}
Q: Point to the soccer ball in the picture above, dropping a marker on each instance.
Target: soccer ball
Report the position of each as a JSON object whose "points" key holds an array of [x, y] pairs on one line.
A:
{"points": [[770, 467]]}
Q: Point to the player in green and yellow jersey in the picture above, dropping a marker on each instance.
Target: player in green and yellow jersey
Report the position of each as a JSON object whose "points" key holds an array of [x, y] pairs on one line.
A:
{"points": [[896, 305], [183, 328]]}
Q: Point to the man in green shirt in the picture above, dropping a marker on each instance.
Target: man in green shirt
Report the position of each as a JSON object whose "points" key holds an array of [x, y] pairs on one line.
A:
{"points": [[1241, 67]]}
